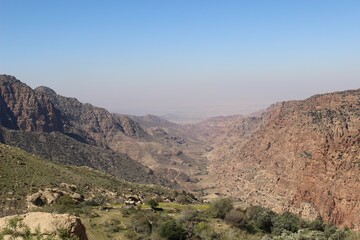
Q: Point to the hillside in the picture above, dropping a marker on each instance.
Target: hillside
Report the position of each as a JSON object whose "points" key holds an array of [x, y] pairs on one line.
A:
{"points": [[23, 174], [32, 114], [300, 156]]}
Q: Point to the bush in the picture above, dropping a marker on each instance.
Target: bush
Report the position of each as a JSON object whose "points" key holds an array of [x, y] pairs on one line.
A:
{"points": [[237, 218], [261, 218], [172, 230], [286, 221], [189, 215], [317, 224], [183, 199], [220, 207], [203, 230], [152, 203]]}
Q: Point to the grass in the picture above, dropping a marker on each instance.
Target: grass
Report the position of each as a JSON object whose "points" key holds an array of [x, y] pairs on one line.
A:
{"points": [[22, 173]]}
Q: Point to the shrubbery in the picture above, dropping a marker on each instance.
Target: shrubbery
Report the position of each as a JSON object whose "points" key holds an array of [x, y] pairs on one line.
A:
{"points": [[220, 207], [152, 203], [171, 230]]}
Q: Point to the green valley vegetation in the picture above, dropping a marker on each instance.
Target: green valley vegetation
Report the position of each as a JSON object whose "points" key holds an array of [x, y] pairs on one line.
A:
{"points": [[199, 221]]}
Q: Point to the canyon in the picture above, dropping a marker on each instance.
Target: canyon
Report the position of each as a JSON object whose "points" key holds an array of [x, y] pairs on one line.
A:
{"points": [[298, 156]]}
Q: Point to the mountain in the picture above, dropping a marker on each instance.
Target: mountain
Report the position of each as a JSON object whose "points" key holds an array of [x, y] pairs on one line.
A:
{"points": [[67, 131], [299, 156]]}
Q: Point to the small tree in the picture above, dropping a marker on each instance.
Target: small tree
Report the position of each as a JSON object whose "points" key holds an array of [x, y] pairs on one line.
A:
{"points": [[220, 207]]}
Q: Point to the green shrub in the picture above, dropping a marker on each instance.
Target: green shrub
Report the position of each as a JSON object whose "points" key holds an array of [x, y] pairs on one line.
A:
{"points": [[171, 230], [65, 200], [318, 224], [286, 222], [183, 199], [189, 215], [153, 203], [220, 207], [237, 218], [329, 230], [261, 218], [339, 234]]}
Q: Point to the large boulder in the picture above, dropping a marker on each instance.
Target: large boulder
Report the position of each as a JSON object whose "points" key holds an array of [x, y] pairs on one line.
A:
{"points": [[46, 224]]}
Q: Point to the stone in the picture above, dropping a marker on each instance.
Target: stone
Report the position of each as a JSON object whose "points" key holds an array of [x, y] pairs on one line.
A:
{"points": [[49, 223]]}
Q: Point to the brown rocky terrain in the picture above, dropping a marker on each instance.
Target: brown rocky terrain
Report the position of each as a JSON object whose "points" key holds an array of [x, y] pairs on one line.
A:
{"points": [[66, 130], [300, 156]]}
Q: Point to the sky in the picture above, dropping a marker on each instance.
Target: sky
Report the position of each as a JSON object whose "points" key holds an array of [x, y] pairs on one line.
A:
{"points": [[196, 58]]}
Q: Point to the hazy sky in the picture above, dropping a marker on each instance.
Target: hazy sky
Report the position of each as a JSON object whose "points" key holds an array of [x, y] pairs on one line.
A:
{"points": [[176, 56]]}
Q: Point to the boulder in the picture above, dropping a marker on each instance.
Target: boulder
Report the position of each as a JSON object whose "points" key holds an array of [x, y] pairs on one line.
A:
{"points": [[48, 224], [77, 197], [36, 199]]}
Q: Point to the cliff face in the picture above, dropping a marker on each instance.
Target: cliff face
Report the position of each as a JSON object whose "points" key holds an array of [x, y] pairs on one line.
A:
{"points": [[43, 111], [22, 108], [67, 131], [301, 156]]}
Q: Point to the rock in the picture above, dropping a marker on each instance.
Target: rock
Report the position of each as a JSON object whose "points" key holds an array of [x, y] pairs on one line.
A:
{"points": [[36, 199], [77, 197], [49, 224], [50, 196], [69, 187]]}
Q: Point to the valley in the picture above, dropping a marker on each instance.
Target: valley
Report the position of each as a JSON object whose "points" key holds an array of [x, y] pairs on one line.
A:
{"points": [[299, 156]]}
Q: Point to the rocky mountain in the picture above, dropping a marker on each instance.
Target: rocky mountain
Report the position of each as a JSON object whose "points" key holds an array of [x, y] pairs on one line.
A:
{"points": [[23, 109], [39, 118], [299, 156], [65, 130]]}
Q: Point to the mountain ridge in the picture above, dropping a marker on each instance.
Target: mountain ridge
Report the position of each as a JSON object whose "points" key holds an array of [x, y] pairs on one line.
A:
{"points": [[300, 156]]}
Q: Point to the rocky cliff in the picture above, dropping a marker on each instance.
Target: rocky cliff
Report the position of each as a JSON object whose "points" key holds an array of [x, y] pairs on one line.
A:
{"points": [[22, 108], [67, 131], [64, 129], [299, 156]]}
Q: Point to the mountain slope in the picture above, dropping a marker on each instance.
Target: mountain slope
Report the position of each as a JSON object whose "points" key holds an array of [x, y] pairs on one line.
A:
{"points": [[301, 156], [22, 174], [166, 149], [67, 131]]}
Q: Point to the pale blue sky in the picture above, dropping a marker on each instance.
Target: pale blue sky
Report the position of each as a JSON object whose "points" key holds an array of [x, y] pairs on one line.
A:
{"points": [[201, 57]]}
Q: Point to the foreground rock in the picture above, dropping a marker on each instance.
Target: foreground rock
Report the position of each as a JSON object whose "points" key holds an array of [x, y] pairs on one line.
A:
{"points": [[44, 225]]}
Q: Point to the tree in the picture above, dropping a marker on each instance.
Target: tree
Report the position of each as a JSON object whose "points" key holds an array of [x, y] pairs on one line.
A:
{"points": [[220, 207]]}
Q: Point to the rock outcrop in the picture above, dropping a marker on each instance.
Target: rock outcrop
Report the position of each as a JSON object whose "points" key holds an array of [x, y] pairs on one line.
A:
{"points": [[42, 224], [299, 156], [22, 108]]}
